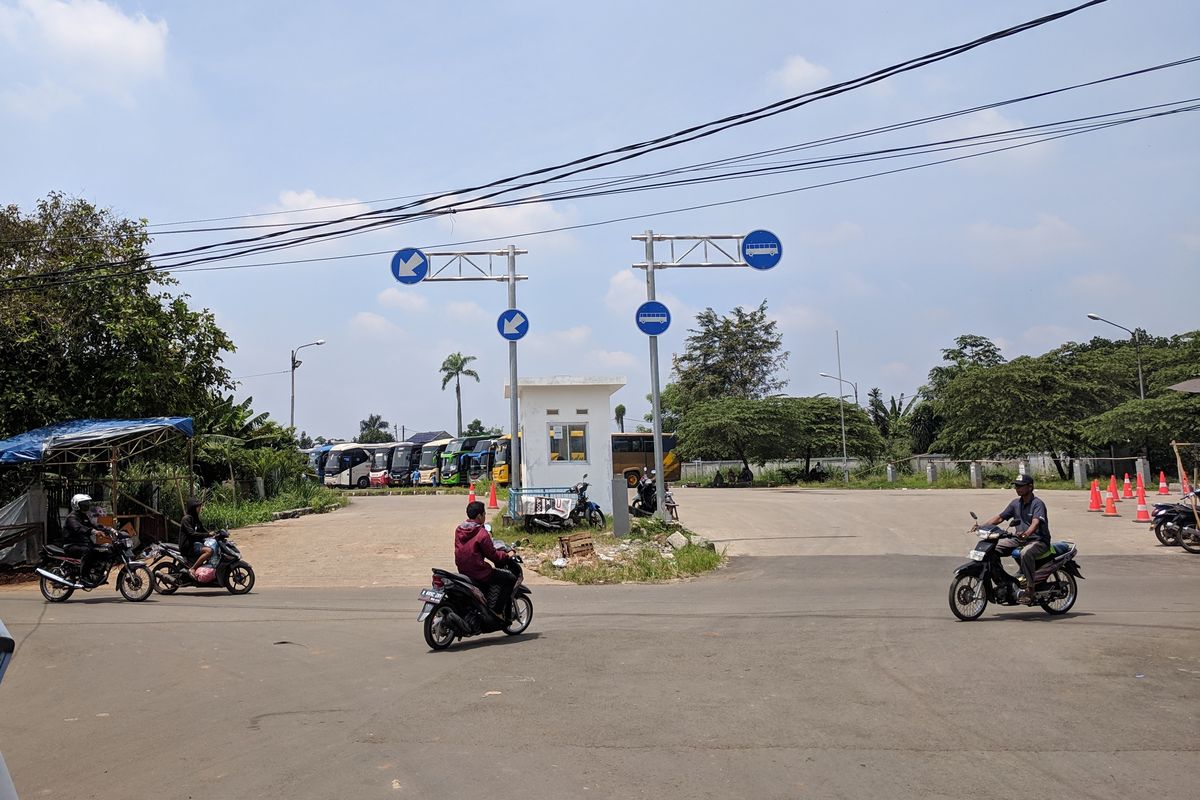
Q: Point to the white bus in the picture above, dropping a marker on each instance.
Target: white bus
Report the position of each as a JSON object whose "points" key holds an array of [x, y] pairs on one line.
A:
{"points": [[348, 464]]}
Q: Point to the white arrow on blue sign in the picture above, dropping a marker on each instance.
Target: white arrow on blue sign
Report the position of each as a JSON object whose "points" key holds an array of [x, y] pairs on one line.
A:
{"points": [[410, 265], [761, 249], [653, 318], [512, 324]]}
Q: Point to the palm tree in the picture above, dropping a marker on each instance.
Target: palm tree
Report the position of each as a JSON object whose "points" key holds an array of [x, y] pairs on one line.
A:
{"points": [[620, 414], [455, 366]]}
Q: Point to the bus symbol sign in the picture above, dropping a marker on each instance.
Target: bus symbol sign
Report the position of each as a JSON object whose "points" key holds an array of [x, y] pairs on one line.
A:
{"points": [[761, 249], [653, 318]]}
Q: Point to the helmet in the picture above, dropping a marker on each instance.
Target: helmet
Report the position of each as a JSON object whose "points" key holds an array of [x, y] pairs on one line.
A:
{"points": [[79, 500]]}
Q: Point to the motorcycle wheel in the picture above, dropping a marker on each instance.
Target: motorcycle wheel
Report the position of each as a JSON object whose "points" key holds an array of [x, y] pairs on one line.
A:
{"points": [[1190, 541], [968, 597], [135, 582], [1164, 536], [240, 578], [438, 634], [164, 582], [1063, 604], [522, 616], [595, 518], [55, 592]]}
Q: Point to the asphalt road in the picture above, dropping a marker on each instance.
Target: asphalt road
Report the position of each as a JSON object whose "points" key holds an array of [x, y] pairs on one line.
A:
{"points": [[822, 676]]}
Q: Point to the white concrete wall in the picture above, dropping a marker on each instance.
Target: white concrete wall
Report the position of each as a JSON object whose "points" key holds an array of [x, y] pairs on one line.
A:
{"points": [[537, 468]]}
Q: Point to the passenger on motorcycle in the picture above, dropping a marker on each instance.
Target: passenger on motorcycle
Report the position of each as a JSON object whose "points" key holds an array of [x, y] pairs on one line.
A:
{"points": [[79, 534], [473, 544], [195, 540], [1033, 531]]}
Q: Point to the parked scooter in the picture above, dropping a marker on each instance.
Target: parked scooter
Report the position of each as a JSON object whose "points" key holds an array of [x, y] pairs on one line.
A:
{"points": [[646, 502], [60, 572], [983, 579], [555, 516], [172, 569], [1173, 519], [456, 607]]}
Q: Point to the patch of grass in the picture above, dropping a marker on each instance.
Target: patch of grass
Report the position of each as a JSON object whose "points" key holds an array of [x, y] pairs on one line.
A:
{"points": [[644, 565], [220, 511]]}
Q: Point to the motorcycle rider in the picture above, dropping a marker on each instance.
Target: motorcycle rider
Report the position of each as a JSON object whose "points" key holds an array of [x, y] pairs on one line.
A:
{"points": [[1033, 531], [473, 544], [80, 530], [195, 540]]}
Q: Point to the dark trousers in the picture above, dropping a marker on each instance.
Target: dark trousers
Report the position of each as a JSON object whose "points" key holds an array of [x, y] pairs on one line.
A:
{"points": [[84, 552], [499, 589], [1030, 553]]}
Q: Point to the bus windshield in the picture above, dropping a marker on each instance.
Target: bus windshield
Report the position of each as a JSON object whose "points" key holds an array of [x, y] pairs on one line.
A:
{"points": [[380, 459], [429, 454], [455, 446]]}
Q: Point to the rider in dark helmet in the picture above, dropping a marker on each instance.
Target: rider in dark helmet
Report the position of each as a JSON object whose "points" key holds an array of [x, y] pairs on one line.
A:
{"points": [[1033, 531], [473, 544], [193, 535], [80, 530]]}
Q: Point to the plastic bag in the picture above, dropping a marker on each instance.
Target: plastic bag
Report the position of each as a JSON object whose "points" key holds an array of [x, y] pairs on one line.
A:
{"points": [[205, 575]]}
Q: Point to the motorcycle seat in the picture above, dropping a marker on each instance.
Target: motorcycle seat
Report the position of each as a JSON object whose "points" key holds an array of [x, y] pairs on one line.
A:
{"points": [[458, 576], [55, 550], [1056, 549], [169, 546]]}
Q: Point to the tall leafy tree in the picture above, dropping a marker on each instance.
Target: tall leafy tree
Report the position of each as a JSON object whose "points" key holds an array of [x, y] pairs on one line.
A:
{"points": [[373, 429], [476, 428], [89, 328], [619, 413], [739, 355], [453, 369]]}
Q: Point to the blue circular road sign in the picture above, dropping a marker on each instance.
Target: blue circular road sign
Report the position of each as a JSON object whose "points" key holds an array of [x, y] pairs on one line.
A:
{"points": [[761, 249], [653, 318], [410, 265], [512, 324]]}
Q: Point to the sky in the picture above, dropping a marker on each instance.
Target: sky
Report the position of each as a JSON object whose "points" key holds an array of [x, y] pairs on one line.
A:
{"points": [[273, 112]]}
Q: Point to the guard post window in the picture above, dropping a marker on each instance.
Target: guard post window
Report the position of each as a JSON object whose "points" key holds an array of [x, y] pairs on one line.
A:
{"points": [[568, 442]]}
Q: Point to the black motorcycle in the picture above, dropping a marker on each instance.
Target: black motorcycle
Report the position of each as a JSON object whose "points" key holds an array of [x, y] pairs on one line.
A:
{"points": [[1172, 520], [551, 515], [455, 606], [172, 570], [983, 579], [646, 502], [61, 576]]}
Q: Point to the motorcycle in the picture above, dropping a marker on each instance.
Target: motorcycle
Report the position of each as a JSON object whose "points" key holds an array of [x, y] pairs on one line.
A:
{"points": [[456, 607], [172, 569], [983, 579], [61, 576], [646, 502], [1175, 524], [554, 516]]}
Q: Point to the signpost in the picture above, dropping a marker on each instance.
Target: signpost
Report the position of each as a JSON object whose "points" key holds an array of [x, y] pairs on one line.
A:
{"points": [[759, 249], [411, 266]]}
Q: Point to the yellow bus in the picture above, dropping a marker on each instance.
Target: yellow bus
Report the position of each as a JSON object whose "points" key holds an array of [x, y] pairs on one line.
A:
{"points": [[633, 456]]}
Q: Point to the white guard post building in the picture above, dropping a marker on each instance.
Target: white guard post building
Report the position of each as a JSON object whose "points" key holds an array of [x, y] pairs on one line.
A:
{"points": [[565, 433]]}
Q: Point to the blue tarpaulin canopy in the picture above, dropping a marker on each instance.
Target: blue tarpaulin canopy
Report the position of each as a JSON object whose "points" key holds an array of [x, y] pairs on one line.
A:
{"points": [[82, 440]]}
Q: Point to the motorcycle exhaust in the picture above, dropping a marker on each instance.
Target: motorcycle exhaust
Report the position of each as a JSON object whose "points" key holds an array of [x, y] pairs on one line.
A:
{"points": [[457, 623], [55, 578]]}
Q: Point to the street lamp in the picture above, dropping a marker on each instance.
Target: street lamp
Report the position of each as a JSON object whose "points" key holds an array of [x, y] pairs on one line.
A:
{"points": [[295, 363], [843, 380], [1137, 348]]}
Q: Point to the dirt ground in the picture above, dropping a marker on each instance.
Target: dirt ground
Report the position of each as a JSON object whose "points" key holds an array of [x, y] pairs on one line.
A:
{"points": [[395, 540]]}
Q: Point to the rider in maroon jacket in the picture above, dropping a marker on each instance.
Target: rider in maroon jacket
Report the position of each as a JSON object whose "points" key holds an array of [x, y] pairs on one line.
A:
{"points": [[473, 544]]}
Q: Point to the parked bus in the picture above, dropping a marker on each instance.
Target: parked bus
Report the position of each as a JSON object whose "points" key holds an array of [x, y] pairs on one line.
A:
{"points": [[316, 460], [633, 456], [348, 465], [393, 463], [430, 464], [501, 457], [455, 458]]}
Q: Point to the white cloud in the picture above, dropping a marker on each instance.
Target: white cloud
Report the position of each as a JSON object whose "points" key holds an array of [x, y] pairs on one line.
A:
{"points": [[405, 300], [368, 323], [509, 222], [627, 291], [798, 317], [990, 121], [462, 309], [840, 234], [798, 74], [1100, 285], [614, 359], [295, 207], [1041, 338], [66, 49], [1002, 246]]}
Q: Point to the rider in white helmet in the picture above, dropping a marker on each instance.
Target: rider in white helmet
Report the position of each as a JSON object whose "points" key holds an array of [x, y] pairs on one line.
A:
{"points": [[79, 531]]}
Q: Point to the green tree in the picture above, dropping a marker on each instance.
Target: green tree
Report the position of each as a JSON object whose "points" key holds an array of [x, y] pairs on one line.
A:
{"points": [[476, 428], [733, 427], [730, 356], [88, 328], [454, 368], [619, 413], [813, 427], [373, 429]]}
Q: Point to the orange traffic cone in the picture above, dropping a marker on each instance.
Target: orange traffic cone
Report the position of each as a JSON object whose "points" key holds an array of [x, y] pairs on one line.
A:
{"points": [[1143, 513], [1110, 508], [1095, 504], [471, 493], [1112, 487], [1127, 491], [1162, 483], [492, 496], [1140, 486]]}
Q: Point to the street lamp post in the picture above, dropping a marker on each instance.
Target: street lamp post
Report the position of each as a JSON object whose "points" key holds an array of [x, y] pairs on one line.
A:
{"points": [[1136, 347], [841, 405], [295, 363], [843, 380]]}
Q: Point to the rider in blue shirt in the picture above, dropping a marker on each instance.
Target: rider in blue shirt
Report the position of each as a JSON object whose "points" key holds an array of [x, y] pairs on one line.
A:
{"points": [[1033, 529]]}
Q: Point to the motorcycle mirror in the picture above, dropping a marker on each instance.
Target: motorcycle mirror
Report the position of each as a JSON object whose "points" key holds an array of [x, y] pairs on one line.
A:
{"points": [[973, 515], [585, 474]]}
